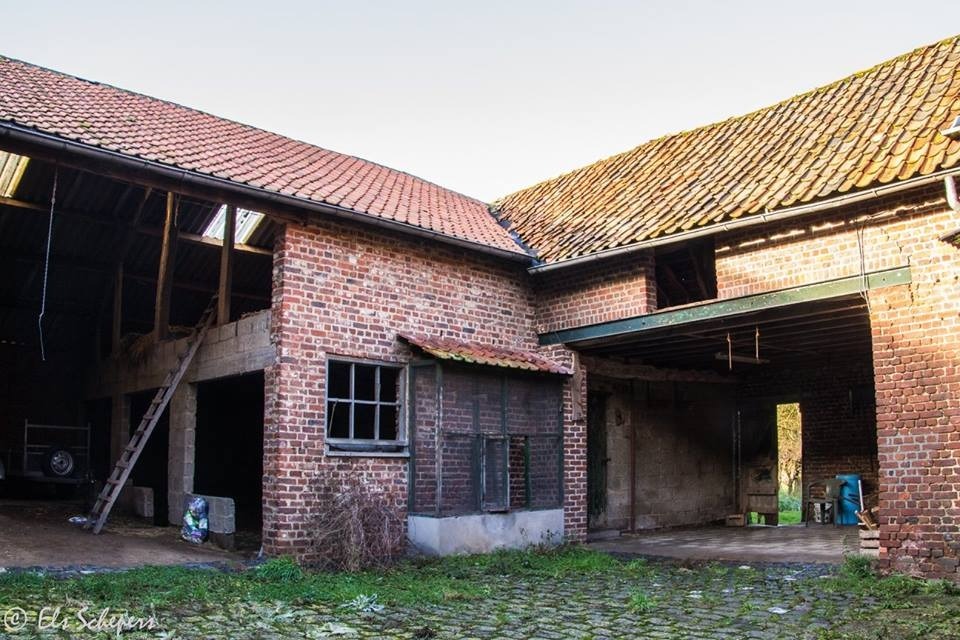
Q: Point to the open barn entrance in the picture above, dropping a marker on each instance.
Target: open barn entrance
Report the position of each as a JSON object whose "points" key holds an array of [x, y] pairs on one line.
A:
{"points": [[229, 449], [105, 279], [700, 422]]}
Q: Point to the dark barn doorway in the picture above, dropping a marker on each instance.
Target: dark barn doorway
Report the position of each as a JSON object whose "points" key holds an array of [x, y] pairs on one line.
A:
{"points": [[151, 468], [229, 447], [99, 416]]}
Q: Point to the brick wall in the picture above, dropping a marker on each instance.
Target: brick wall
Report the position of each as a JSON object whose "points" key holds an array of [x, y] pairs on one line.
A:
{"points": [[815, 248], [916, 338], [597, 292], [839, 433], [339, 289], [916, 352]]}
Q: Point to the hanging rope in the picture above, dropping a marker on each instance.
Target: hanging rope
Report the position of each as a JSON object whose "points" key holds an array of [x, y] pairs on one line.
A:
{"points": [[46, 264], [864, 284], [756, 344]]}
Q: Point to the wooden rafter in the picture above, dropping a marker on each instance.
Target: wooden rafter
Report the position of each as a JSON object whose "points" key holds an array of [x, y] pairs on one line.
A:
{"points": [[192, 238], [168, 260], [226, 266], [674, 281], [81, 264], [705, 291]]}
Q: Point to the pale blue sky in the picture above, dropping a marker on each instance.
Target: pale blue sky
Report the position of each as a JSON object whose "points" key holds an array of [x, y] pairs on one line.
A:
{"points": [[483, 97]]}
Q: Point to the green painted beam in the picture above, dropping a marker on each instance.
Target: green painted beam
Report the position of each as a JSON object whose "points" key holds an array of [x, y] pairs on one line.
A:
{"points": [[733, 307]]}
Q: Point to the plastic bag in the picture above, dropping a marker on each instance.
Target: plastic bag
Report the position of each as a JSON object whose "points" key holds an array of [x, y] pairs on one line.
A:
{"points": [[196, 527]]}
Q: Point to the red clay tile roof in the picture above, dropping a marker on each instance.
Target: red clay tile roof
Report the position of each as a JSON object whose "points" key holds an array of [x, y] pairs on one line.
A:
{"points": [[136, 125], [869, 129], [447, 349]]}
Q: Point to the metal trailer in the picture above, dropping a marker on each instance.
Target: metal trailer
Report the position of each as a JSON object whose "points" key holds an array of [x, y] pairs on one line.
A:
{"points": [[58, 454]]}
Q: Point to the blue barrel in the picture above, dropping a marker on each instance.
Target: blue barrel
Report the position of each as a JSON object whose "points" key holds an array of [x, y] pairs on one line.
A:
{"points": [[849, 498]]}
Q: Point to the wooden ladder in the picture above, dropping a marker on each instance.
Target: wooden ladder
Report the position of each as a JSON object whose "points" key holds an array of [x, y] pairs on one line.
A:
{"points": [[128, 457]]}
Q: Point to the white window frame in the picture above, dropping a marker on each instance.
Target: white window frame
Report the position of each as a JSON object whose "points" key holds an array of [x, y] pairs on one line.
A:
{"points": [[366, 446]]}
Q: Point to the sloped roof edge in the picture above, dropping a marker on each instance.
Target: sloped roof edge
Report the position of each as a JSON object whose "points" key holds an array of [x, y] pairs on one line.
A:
{"points": [[486, 355], [864, 132], [161, 134]]}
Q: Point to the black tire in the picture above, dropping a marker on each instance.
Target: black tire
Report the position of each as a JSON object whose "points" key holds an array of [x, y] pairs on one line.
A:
{"points": [[59, 463]]}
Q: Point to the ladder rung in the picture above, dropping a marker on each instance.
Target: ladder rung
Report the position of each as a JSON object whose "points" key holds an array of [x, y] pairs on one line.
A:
{"points": [[114, 484]]}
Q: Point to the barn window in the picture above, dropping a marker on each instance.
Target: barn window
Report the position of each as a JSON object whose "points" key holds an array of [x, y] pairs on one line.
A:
{"points": [[363, 407]]}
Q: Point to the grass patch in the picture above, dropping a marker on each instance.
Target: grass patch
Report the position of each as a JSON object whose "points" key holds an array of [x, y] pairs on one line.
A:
{"points": [[858, 577], [789, 517], [282, 580], [640, 602]]}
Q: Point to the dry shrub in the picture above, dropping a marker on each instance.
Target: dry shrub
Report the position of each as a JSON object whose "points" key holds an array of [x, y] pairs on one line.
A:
{"points": [[359, 526]]}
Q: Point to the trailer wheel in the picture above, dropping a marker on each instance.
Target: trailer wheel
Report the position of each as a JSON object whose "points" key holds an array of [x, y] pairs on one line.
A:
{"points": [[59, 463]]}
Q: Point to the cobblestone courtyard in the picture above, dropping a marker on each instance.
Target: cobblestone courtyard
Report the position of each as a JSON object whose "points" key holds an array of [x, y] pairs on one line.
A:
{"points": [[626, 599]]}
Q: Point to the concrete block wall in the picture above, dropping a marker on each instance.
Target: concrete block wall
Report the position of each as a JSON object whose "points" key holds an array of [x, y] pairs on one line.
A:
{"points": [[181, 448], [236, 348]]}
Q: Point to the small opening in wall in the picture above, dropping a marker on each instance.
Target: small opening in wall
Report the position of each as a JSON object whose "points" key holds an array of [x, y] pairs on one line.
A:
{"points": [[686, 273]]}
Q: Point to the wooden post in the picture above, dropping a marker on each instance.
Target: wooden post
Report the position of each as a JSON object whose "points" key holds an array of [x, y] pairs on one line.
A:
{"points": [[117, 309], [226, 265], [168, 257]]}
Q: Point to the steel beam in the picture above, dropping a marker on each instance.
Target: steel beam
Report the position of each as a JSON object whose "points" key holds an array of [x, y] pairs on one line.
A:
{"points": [[733, 307]]}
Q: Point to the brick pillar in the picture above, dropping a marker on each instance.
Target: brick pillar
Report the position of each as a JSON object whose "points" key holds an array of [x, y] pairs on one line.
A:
{"points": [[181, 451], [575, 454], [574, 444], [294, 387], [916, 357]]}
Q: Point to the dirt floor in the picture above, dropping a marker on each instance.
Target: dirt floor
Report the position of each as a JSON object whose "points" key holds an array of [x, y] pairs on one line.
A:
{"points": [[35, 533], [813, 544]]}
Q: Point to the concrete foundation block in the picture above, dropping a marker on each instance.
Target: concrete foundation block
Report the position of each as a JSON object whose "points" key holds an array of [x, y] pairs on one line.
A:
{"points": [[486, 532], [142, 501]]}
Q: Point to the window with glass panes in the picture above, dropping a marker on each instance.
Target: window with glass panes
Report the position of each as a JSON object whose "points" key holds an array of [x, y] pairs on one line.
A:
{"points": [[363, 403]]}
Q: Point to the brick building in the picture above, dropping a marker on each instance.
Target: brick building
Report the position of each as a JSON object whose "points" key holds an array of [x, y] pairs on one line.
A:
{"points": [[604, 350]]}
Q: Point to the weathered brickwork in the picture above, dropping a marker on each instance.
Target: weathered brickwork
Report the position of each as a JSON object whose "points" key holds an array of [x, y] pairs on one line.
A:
{"points": [[340, 290], [838, 423], [822, 247], [574, 444], [916, 352], [603, 291], [916, 336]]}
